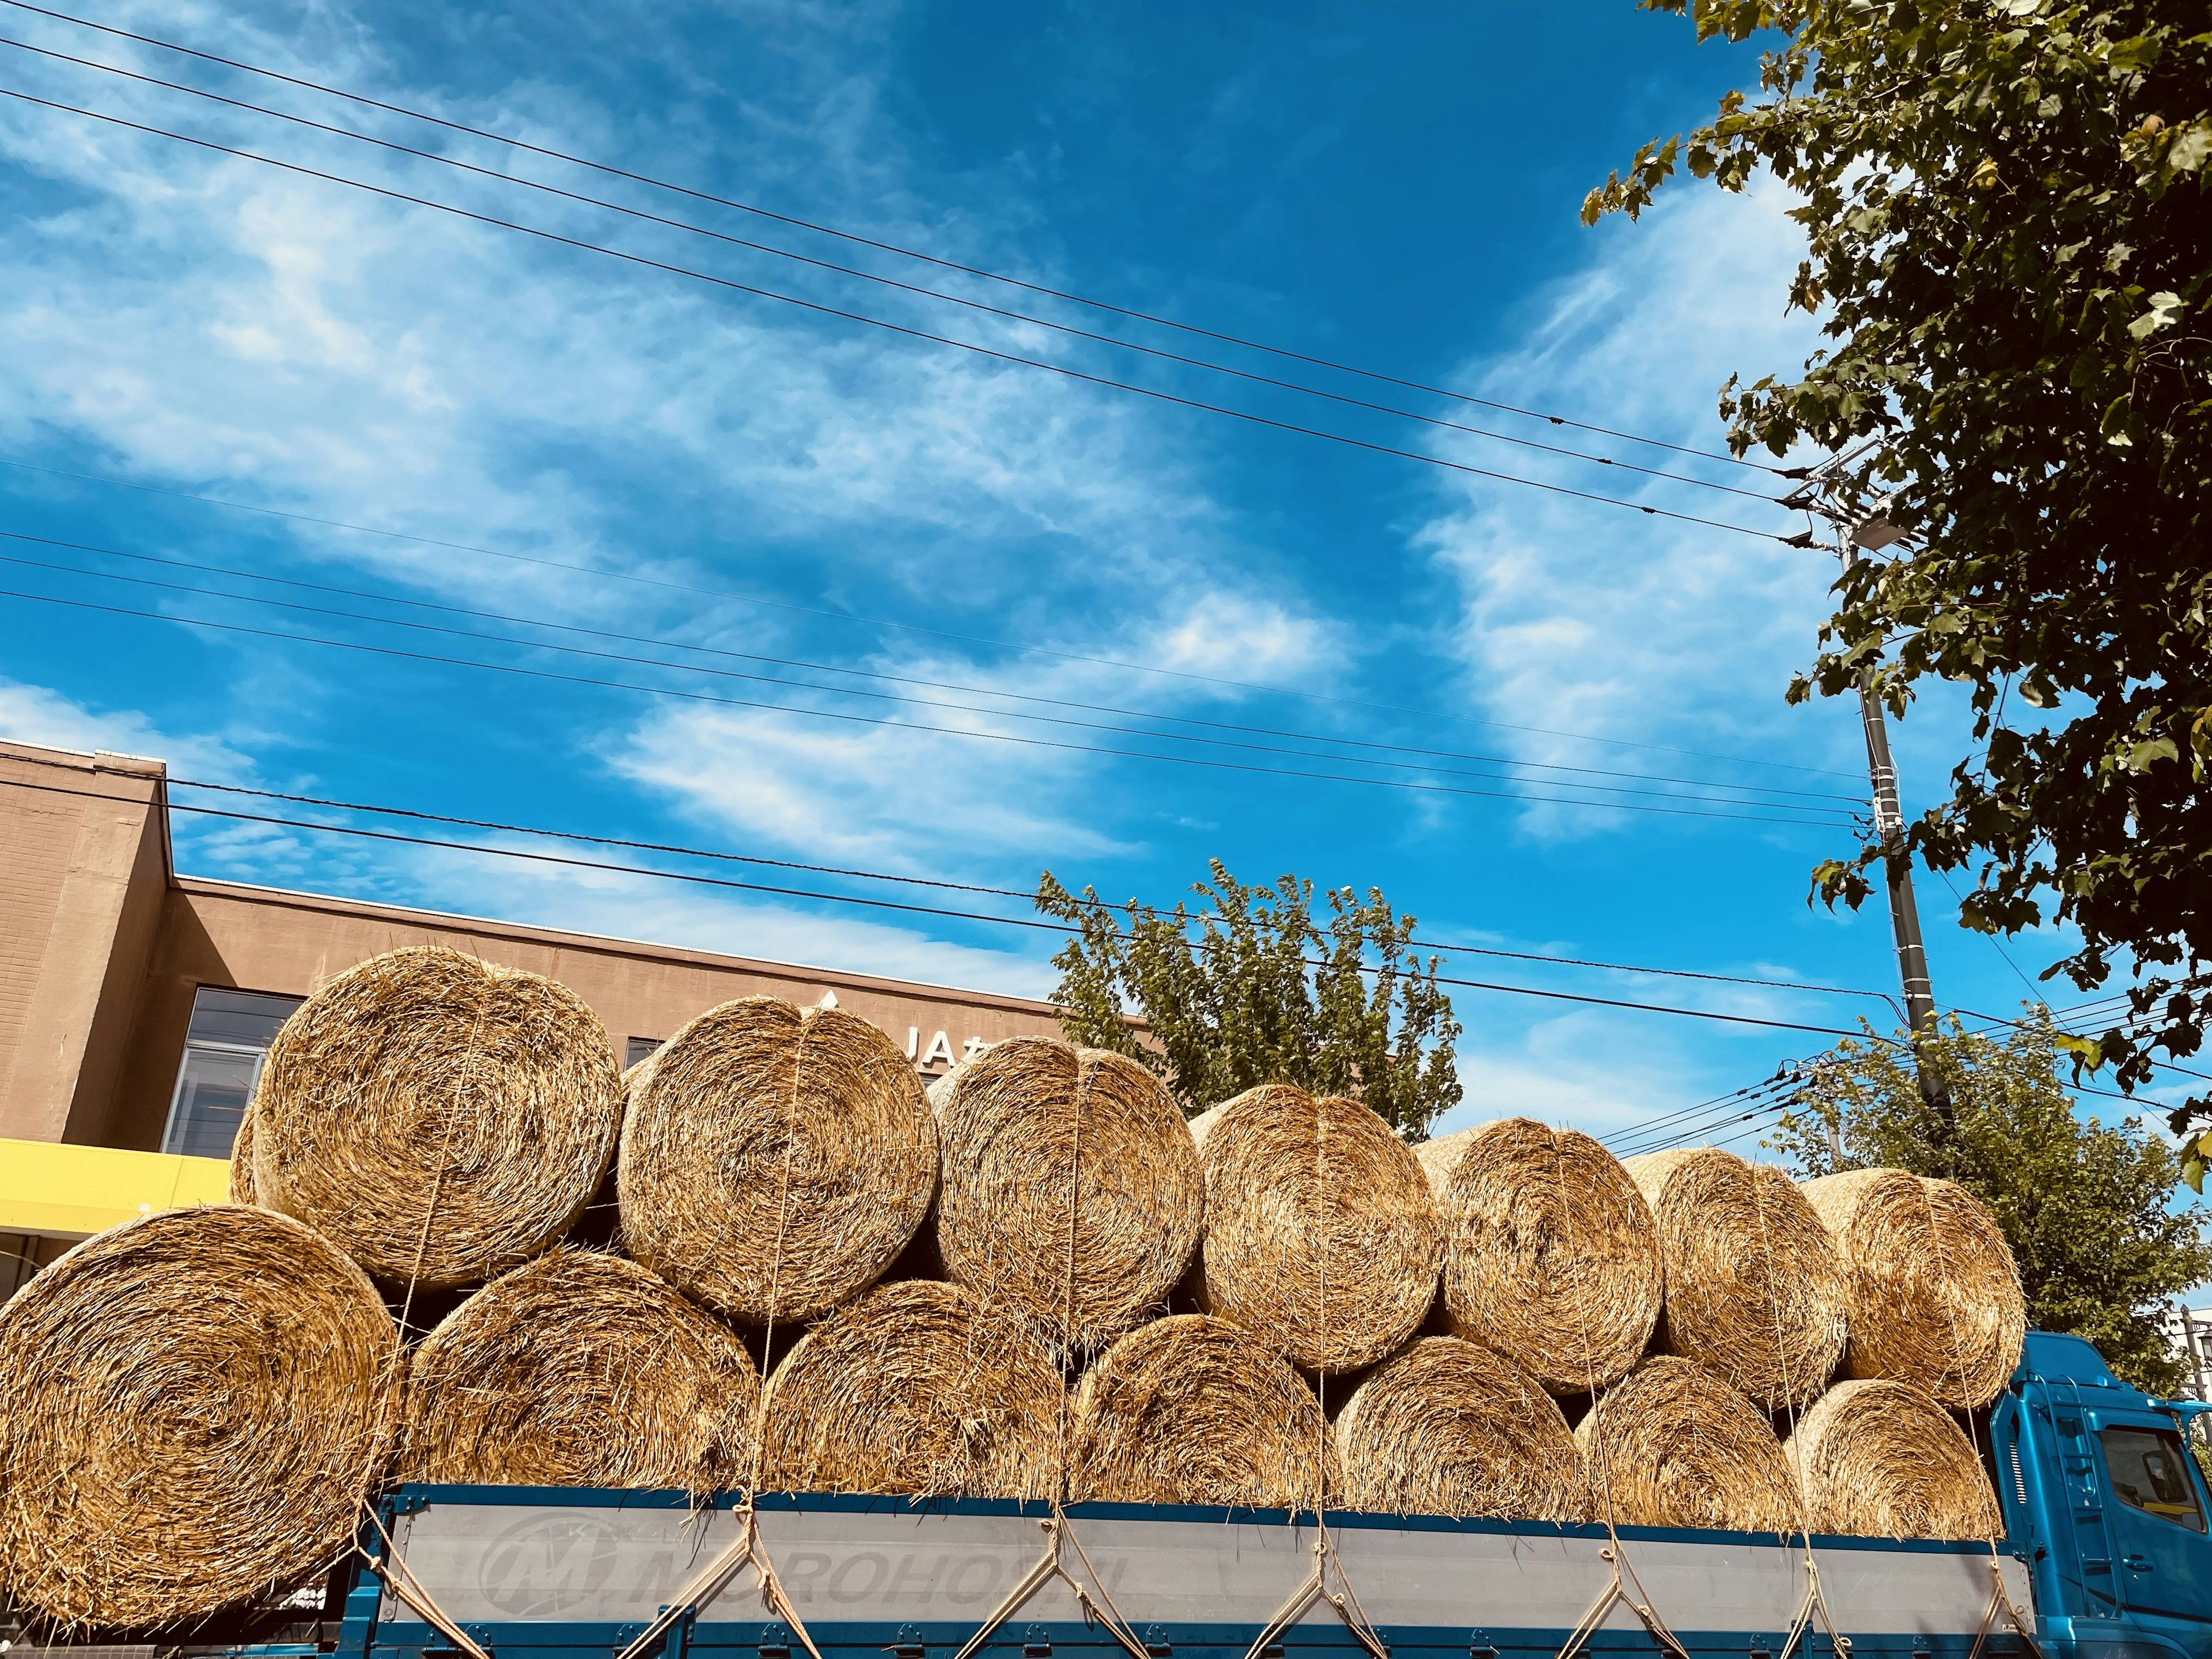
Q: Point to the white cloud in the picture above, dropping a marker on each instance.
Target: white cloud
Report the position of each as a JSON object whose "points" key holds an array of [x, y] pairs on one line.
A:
{"points": [[38, 714], [1591, 618]]}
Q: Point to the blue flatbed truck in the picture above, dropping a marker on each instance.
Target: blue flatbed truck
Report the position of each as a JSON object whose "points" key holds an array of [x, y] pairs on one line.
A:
{"points": [[2106, 1556]]}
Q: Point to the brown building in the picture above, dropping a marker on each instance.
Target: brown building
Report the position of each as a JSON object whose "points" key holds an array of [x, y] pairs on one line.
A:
{"points": [[136, 1004]]}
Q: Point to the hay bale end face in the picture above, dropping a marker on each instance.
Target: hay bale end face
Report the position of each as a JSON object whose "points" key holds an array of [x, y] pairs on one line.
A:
{"points": [[917, 1390], [1043, 1140], [1673, 1445], [1448, 1428], [426, 1106], [1934, 1293], [218, 1362], [1883, 1460], [580, 1369], [1754, 1287], [775, 1160], [1194, 1410], [1320, 1235], [1550, 1254]]}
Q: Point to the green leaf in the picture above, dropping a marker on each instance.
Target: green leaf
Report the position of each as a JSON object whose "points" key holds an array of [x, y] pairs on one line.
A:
{"points": [[2166, 310]]}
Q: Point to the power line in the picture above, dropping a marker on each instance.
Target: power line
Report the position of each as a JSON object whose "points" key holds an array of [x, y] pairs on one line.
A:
{"points": [[1814, 815], [887, 247], [862, 720], [915, 628], [1425, 946], [888, 904], [887, 282], [819, 308], [832, 668]]}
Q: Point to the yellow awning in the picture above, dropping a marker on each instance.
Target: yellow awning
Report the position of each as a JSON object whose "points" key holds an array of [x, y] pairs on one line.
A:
{"points": [[72, 1191]]}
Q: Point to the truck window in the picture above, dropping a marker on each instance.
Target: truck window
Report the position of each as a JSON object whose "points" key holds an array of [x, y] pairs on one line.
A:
{"points": [[2150, 1471]]}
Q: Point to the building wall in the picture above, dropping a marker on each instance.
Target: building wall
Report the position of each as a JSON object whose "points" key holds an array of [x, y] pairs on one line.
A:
{"points": [[83, 871]]}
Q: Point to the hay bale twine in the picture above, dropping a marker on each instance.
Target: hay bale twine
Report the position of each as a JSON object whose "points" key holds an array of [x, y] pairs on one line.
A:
{"points": [[1448, 1428], [1321, 1235], [1550, 1254], [775, 1160], [1754, 1287], [425, 1101], [1673, 1445], [1878, 1459], [580, 1369], [1933, 1295], [196, 1402], [917, 1389], [1193, 1409], [242, 1160], [1040, 1137]]}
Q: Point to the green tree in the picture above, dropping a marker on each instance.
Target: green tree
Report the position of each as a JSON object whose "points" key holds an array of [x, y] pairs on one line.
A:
{"points": [[2008, 208], [1261, 995], [2084, 1204]]}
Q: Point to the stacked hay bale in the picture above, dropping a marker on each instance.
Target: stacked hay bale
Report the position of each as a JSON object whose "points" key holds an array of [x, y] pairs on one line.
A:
{"points": [[1072, 1194], [581, 1369], [198, 1401], [439, 1118], [775, 1160], [1884, 1460], [1674, 1445], [919, 1389], [1754, 1287], [1448, 1428], [1934, 1296], [1552, 1255], [1320, 1235], [1191, 1409]]}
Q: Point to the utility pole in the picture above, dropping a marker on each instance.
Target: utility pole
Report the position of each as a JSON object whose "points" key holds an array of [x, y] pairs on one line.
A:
{"points": [[1860, 531]]}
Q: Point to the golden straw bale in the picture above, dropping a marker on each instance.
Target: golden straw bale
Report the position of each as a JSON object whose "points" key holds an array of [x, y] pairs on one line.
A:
{"points": [[428, 1105], [1448, 1428], [580, 1369], [917, 1389], [1550, 1254], [775, 1160], [1933, 1294], [1040, 1139], [1193, 1409], [1673, 1445], [1883, 1460], [242, 1160], [1754, 1287], [196, 1402], [1321, 1235]]}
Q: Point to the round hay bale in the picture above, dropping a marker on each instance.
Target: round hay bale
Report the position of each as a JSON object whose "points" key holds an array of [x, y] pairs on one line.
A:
{"points": [[775, 1160], [1039, 1136], [242, 1160], [1883, 1460], [1550, 1254], [424, 1101], [1193, 1409], [196, 1403], [1321, 1235], [580, 1369], [917, 1389], [1673, 1445], [1933, 1295], [1448, 1428], [1754, 1287]]}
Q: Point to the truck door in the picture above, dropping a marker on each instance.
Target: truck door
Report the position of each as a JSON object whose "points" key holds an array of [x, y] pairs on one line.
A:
{"points": [[2163, 1572]]}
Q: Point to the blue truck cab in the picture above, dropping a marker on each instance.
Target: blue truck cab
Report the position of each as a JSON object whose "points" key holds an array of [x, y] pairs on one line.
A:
{"points": [[2104, 1501]]}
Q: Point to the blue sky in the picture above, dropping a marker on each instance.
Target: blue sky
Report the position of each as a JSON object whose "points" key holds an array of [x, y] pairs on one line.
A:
{"points": [[1391, 187]]}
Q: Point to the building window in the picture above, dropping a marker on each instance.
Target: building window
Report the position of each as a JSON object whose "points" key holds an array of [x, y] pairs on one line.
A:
{"points": [[641, 1048], [224, 1046]]}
